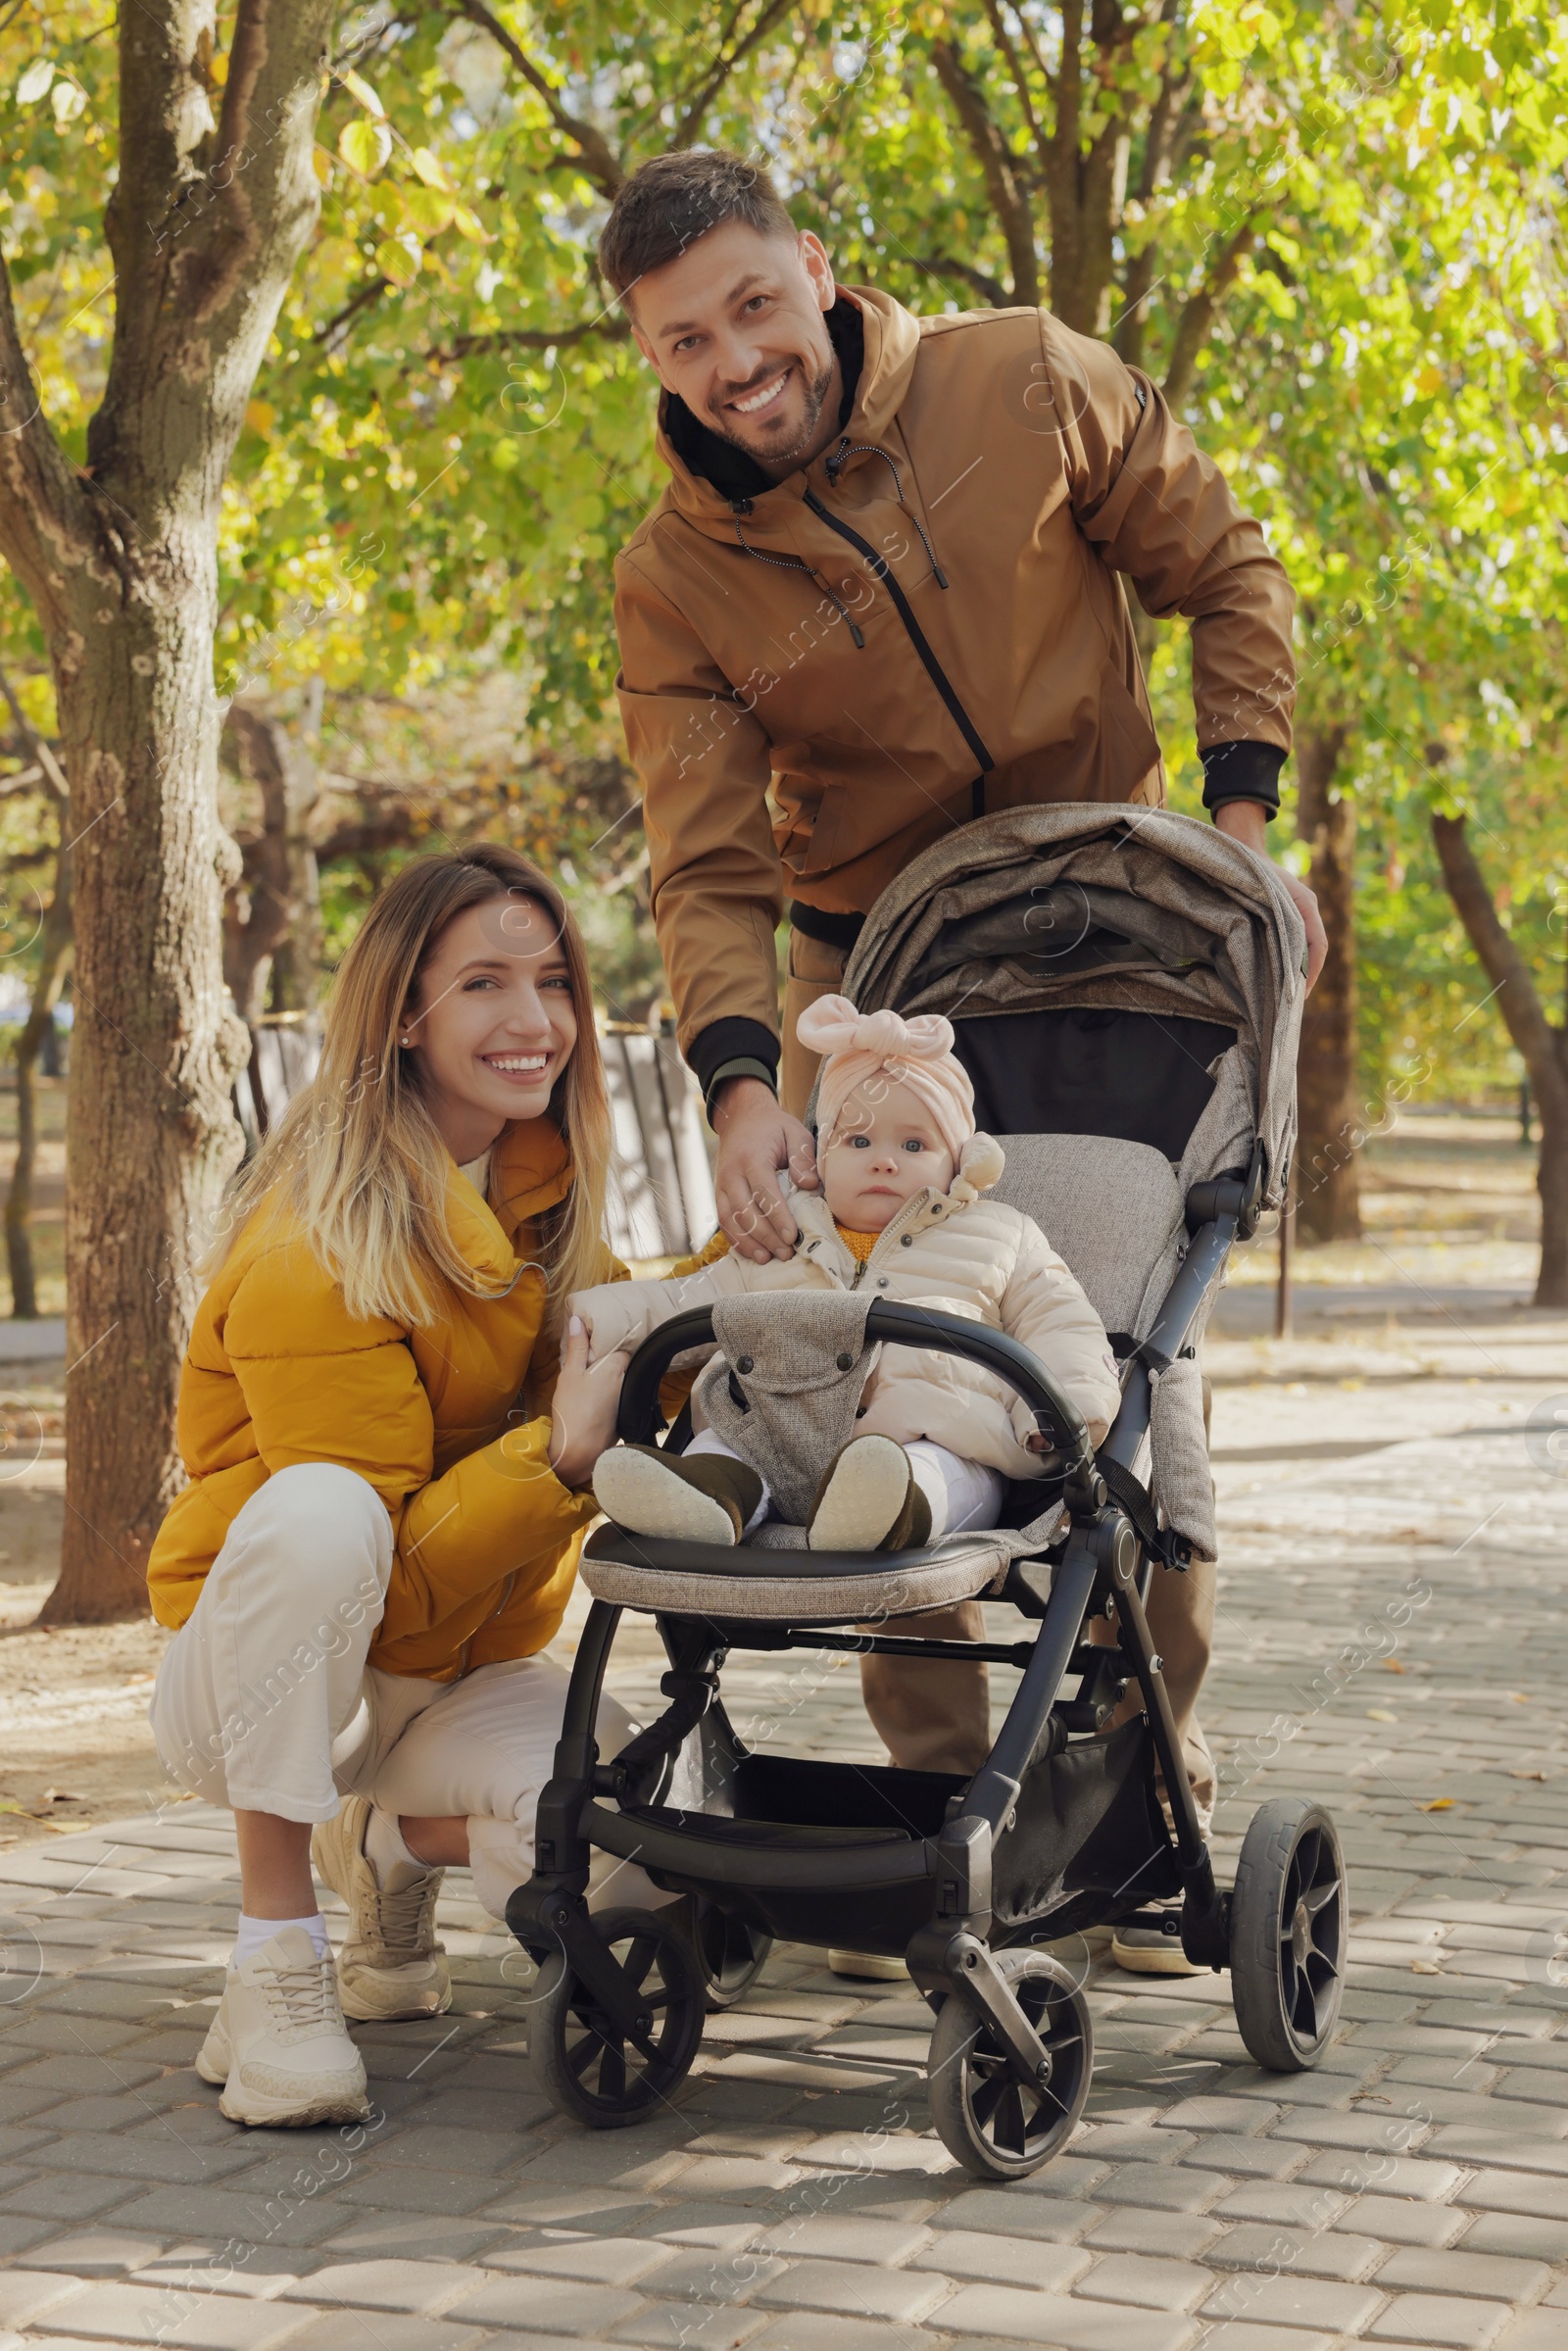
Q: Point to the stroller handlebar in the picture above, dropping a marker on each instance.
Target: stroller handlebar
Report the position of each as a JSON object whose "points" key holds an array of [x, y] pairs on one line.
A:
{"points": [[885, 1323]]}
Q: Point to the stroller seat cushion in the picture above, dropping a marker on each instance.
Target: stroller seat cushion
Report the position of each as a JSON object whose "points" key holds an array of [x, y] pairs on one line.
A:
{"points": [[781, 1584]]}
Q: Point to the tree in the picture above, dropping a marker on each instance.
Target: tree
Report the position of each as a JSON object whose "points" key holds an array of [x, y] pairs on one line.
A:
{"points": [[1542, 1042], [118, 556]]}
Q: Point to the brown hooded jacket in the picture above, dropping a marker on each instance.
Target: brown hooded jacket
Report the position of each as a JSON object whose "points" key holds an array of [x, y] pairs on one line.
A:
{"points": [[820, 678]]}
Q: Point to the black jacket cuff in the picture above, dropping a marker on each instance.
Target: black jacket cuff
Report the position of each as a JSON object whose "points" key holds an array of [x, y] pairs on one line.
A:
{"points": [[734, 1040], [1243, 772]]}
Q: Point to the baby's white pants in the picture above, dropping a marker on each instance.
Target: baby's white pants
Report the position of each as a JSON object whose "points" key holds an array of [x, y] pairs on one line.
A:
{"points": [[265, 1700], [962, 1493]]}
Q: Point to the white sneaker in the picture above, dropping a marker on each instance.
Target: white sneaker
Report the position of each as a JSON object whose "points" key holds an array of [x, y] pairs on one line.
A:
{"points": [[279, 2044], [390, 1964]]}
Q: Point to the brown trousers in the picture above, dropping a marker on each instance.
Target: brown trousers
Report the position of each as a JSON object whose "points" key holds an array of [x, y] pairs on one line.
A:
{"points": [[937, 1717]]}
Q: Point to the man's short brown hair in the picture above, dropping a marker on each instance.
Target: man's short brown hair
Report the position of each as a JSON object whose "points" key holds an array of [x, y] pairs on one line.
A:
{"points": [[673, 200]]}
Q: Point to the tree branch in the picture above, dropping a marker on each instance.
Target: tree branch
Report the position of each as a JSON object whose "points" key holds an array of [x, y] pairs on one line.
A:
{"points": [[707, 89], [1540, 1045], [990, 289], [529, 338], [1198, 316], [372, 291], [1014, 215], [43, 511], [600, 163]]}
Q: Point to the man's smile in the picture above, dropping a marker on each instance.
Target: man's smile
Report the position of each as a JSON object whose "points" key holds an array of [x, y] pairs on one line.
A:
{"points": [[753, 403]]}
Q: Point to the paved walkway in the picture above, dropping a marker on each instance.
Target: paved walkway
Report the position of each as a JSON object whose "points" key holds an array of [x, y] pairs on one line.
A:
{"points": [[1394, 1639]]}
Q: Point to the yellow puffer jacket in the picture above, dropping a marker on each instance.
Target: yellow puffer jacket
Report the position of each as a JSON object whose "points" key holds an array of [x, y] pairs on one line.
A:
{"points": [[449, 1424]]}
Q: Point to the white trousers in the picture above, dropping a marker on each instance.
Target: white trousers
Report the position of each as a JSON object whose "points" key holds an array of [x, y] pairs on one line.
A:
{"points": [[265, 1701], [962, 1493]]}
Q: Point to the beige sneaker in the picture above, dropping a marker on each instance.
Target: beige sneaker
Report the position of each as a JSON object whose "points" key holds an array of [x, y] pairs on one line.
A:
{"points": [[390, 1964], [279, 2044], [867, 1967]]}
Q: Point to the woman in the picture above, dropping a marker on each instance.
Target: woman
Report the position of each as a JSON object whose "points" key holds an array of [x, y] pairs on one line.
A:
{"points": [[390, 1456]]}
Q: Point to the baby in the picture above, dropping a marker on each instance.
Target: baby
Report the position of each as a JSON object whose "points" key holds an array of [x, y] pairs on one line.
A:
{"points": [[901, 1209]]}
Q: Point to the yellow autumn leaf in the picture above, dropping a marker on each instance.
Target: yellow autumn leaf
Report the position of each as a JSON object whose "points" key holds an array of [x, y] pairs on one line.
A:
{"points": [[1391, 1665], [427, 211], [322, 165], [432, 170], [365, 147], [261, 417], [399, 257], [1380, 1714], [218, 67], [1425, 1967], [468, 225], [1438, 1804], [360, 90]]}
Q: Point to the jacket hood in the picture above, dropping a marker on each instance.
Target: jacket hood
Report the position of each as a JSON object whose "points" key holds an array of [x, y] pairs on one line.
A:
{"points": [[695, 454]]}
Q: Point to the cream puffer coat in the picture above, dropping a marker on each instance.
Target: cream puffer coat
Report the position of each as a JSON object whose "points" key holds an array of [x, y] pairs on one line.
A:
{"points": [[956, 1251]]}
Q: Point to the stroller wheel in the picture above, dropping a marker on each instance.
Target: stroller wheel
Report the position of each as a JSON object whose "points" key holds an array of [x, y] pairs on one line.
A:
{"points": [[582, 2060], [984, 2115], [731, 1952], [1290, 1915]]}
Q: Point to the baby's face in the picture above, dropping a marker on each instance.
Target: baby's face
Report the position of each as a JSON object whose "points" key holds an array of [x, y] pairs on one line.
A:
{"points": [[885, 1147]]}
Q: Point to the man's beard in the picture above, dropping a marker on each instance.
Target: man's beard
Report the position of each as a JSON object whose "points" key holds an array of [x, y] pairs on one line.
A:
{"points": [[816, 400]]}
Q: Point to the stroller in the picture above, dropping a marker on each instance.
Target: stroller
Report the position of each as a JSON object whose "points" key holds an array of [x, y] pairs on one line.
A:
{"points": [[1126, 989]]}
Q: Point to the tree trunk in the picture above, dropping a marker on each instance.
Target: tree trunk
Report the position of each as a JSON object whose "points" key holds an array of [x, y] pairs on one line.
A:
{"points": [[1541, 1046], [119, 559], [1328, 1177], [54, 947]]}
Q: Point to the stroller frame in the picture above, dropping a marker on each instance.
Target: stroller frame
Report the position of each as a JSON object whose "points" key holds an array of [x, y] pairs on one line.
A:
{"points": [[942, 1893]]}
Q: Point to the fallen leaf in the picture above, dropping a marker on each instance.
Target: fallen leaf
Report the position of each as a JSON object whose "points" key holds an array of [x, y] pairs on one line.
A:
{"points": [[1520, 1774], [1391, 1665], [1380, 1714], [1519, 1697], [1438, 1804], [1425, 1967]]}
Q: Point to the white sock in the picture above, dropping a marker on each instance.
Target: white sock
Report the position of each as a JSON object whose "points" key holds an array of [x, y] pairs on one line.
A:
{"points": [[254, 1934], [394, 1865]]}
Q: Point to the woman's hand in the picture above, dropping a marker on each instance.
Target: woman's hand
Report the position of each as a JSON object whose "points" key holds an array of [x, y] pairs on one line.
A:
{"points": [[582, 1415]]}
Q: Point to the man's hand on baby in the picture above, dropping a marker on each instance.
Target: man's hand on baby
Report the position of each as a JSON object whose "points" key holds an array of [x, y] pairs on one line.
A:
{"points": [[582, 1413], [757, 1140]]}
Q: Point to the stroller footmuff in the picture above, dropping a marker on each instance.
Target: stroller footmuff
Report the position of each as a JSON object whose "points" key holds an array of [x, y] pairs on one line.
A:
{"points": [[1106, 951]]}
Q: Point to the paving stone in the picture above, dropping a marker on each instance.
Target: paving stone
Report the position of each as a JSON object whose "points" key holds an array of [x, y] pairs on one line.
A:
{"points": [[1291, 2301], [1248, 2158], [1243, 2335], [1147, 2282], [413, 2235], [1006, 2260], [1490, 2276], [1441, 2323], [1175, 2190], [845, 2236], [196, 2322], [677, 2326], [1404, 2221], [1519, 2235], [94, 2253], [1383, 2175], [389, 2284], [1181, 2234], [17, 2234], [1306, 2253], [1537, 2330], [221, 2213], [1003, 2311], [1292, 2204], [1003, 2212], [1516, 2191], [388, 2330], [68, 2197], [855, 2292], [554, 2306], [817, 2331], [707, 2275], [25, 2296]]}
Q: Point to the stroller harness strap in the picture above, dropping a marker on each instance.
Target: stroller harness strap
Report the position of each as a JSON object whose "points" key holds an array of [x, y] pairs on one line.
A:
{"points": [[799, 1361]]}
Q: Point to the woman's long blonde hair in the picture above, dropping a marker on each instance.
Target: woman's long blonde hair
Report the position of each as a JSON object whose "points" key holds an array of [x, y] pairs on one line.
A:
{"points": [[357, 1158]]}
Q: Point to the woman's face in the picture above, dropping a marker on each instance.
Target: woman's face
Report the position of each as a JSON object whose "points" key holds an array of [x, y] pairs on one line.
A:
{"points": [[492, 1021]]}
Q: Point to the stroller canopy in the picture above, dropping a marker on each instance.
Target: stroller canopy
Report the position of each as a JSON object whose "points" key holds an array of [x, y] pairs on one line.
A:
{"points": [[1081, 914]]}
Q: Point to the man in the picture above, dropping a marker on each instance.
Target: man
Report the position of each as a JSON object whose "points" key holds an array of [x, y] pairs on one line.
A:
{"points": [[878, 599]]}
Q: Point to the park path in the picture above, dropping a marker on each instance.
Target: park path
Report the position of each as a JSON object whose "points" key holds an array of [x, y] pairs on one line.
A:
{"points": [[1394, 1639]]}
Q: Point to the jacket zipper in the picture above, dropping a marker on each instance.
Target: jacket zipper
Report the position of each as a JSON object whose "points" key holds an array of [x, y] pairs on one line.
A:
{"points": [[863, 1265], [915, 633]]}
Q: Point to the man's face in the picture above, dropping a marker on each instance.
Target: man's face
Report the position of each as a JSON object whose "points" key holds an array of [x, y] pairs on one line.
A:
{"points": [[734, 326]]}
